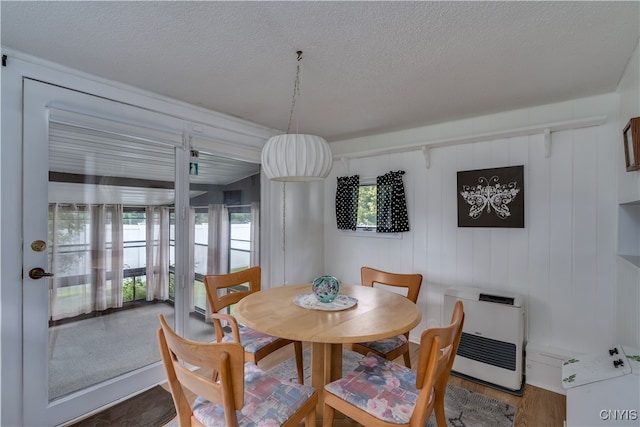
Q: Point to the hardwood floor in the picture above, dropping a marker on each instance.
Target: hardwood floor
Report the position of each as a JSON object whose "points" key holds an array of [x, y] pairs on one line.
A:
{"points": [[536, 408]]}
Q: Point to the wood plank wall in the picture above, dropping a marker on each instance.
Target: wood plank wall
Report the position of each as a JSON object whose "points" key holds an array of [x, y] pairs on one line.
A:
{"points": [[563, 261]]}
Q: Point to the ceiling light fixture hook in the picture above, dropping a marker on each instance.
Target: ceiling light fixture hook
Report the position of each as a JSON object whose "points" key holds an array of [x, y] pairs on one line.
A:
{"points": [[296, 90]]}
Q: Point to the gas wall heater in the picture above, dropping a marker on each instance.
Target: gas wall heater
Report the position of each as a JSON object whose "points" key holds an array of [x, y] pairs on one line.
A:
{"points": [[491, 349]]}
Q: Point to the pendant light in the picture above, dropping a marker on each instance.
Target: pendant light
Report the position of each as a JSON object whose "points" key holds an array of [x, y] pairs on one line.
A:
{"points": [[296, 157]]}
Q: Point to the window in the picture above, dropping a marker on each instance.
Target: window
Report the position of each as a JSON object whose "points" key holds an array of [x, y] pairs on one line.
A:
{"points": [[200, 258], [379, 207], [83, 237], [367, 209], [224, 241], [134, 254], [239, 238]]}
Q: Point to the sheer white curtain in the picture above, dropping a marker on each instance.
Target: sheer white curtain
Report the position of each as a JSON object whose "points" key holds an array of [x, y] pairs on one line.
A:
{"points": [[157, 219], [99, 256], [117, 257], [217, 243], [106, 256], [191, 260], [255, 234], [86, 258], [218, 246], [70, 291]]}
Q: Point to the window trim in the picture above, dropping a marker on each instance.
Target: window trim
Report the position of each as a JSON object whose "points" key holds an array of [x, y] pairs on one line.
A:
{"points": [[371, 233]]}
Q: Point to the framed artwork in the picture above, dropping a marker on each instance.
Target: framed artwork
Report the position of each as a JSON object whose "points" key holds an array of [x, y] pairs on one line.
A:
{"points": [[631, 137], [491, 197]]}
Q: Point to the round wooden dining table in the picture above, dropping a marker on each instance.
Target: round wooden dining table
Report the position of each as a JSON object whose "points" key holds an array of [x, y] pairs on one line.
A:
{"points": [[377, 314]]}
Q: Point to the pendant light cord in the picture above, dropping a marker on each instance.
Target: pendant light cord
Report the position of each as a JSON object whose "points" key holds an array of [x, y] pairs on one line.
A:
{"points": [[284, 238], [296, 89]]}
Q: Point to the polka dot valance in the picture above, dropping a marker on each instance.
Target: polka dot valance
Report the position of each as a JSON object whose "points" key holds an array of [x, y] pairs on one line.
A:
{"points": [[347, 202], [392, 214]]}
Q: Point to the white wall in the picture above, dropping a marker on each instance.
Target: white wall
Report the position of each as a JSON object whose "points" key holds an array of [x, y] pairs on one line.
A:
{"points": [[300, 258], [563, 261], [627, 307]]}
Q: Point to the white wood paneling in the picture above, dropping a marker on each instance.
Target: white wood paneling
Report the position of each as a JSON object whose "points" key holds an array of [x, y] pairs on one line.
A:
{"points": [[291, 244], [518, 252], [584, 226], [560, 239], [627, 305], [449, 215], [537, 218], [606, 220], [464, 236], [499, 258], [627, 302], [561, 261]]}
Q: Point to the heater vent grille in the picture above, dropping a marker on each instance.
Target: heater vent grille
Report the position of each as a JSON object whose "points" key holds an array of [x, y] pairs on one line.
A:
{"points": [[486, 350], [496, 299]]}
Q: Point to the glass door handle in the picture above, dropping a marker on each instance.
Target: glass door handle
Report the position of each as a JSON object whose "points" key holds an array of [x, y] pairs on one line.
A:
{"points": [[39, 273]]}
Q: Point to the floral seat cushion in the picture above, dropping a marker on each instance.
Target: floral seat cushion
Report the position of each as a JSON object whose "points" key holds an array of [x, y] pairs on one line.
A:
{"points": [[386, 345], [382, 388], [251, 340], [268, 401]]}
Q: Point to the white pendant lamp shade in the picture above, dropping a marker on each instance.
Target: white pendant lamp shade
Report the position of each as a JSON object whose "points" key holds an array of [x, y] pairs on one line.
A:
{"points": [[296, 157]]}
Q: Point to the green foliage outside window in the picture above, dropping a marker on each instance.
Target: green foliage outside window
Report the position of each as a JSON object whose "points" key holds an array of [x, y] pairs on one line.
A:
{"points": [[134, 291], [172, 285], [367, 208], [240, 218], [133, 218], [70, 230], [201, 218]]}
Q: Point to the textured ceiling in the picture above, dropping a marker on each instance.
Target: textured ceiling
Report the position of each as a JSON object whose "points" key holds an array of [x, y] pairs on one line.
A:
{"points": [[368, 67]]}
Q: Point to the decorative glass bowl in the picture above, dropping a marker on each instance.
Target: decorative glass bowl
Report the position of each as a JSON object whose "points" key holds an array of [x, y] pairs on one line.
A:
{"points": [[325, 288]]}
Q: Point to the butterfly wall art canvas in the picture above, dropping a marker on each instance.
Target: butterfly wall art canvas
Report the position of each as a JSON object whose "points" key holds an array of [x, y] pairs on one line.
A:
{"points": [[491, 197]]}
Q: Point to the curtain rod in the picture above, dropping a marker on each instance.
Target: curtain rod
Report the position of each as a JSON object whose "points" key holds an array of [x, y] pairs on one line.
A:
{"points": [[229, 206], [545, 129]]}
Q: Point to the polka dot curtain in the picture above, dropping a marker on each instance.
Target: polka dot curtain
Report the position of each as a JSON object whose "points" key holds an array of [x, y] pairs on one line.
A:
{"points": [[347, 202], [392, 204]]}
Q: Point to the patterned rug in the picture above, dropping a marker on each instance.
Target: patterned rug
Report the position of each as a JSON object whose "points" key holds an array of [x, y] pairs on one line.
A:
{"points": [[463, 408]]}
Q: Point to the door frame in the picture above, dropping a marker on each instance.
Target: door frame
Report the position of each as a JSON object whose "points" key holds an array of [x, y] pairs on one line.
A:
{"points": [[37, 410]]}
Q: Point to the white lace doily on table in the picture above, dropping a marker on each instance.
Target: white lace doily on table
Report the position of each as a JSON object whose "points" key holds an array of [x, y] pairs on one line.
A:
{"points": [[342, 302]]}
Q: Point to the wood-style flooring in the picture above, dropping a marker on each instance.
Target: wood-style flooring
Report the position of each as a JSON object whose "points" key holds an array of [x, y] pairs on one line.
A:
{"points": [[536, 408]]}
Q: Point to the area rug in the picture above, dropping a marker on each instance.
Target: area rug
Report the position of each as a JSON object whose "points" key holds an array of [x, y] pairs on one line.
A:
{"points": [[463, 408], [152, 408]]}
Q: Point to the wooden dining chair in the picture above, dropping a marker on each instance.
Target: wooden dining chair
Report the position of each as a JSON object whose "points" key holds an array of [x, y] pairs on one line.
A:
{"points": [[229, 391], [385, 394], [223, 291], [394, 347]]}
